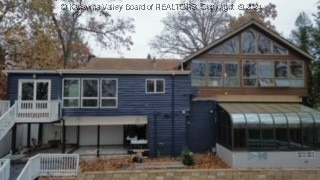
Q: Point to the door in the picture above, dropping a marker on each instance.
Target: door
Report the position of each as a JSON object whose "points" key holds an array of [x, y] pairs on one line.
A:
{"points": [[34, 94]]}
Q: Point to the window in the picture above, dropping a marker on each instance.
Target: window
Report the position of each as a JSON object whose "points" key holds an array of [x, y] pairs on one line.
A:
{"points": [[266, 74], [155, 86], [90, 93], [296, 74], [250, 73], [279, 50], [198, 73], [231, 74], [264, 44], [249, 42], [281, 74], [230, 46], [109, 93], [215, 74], [71, 93]]}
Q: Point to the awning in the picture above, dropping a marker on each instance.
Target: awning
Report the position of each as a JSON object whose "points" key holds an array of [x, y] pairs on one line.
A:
{"points": [[105, 120], [271, 115]]}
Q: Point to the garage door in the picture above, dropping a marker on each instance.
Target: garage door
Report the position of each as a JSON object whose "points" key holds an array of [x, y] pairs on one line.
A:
{"points": [[109, 135]]}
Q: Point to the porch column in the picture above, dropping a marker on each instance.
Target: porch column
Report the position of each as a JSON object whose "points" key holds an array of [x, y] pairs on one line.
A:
{"points": [[13, 139], [98, 141], [78, 136], [63, 136], [28, 135], [40, 133]]}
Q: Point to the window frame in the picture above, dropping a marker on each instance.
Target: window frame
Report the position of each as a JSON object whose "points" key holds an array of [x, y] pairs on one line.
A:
{"points": [[106, 98], [90, 98], [155, 86], [72, 98]]}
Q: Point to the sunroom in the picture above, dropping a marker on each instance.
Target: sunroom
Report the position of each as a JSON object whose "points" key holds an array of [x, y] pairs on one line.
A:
{"points": [[268, 135]]}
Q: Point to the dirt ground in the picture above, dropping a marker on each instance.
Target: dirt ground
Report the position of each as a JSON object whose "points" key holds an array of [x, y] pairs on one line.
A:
{"points": [[202, 161]]}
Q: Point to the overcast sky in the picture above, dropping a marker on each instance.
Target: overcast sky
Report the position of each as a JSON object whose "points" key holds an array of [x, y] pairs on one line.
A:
{"points": [[148, 23]]}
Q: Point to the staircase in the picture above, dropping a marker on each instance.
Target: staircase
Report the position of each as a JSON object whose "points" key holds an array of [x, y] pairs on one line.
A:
{"points": [[7, 121]]}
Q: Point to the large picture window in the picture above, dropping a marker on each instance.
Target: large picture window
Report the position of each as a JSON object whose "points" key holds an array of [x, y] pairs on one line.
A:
{"points": [[90, 93], [155, 86], [71, 93], [250, 73], [215, 74], [198, 73], [109, 93], [231, 74]]}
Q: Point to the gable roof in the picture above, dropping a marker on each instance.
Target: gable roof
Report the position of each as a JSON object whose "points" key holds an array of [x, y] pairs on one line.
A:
{"points": [[133, 64], [241, 28]]}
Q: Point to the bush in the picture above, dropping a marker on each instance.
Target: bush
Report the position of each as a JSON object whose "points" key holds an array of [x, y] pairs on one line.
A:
{"points": [[187, 157]]}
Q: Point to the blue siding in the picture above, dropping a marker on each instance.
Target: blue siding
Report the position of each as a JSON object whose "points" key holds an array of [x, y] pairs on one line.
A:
{"points": [[201, 129], [13, 85]]}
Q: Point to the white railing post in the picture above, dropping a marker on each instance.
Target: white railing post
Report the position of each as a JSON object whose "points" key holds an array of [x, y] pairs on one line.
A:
{"points": [[4, 169]]}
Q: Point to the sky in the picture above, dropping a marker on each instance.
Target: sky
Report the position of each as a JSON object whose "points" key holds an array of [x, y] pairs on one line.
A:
{"points": [[148, 22]]}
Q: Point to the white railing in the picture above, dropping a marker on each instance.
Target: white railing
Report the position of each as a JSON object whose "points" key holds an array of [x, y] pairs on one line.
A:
{"points": [[37, 111], [50, 165], [4, 107], [4, 169], [7, 121]]}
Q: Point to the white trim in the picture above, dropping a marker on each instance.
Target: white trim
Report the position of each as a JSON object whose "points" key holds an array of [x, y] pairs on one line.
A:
{"points": [[155, 86], [104, 120], [71, 98], [97, 71], [106, 98], [89, 98]]}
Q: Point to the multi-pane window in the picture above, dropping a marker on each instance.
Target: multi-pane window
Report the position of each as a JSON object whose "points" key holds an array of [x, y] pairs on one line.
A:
{"points": [[265, 69], [264, 44], [296, 74], [250, 73], [90, 93], [71, 93], [249, 42], [230, 46], [109, 93], [215, 74], [155, 86], [198, 73], [231, 74]]}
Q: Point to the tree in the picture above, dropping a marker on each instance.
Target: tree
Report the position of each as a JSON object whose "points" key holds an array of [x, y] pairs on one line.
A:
{"points": [[301, 35], [187, 31], [262, 14]]}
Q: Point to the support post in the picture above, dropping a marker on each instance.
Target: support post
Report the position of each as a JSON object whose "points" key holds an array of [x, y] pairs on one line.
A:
{"points": [[13, 139], [63, 136], [28, 135], [78, 136], [40, 133], [98, 141]]}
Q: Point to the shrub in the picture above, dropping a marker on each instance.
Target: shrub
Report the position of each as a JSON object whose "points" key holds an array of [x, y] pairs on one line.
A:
{"points": [[187, 157]]}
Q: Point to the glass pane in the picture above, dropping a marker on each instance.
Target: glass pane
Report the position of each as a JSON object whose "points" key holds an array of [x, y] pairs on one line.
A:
{"points": [[250, 69], [316, 117], [264, 44], [231, 69], [215, 69], [160, 86], [90, 88], [297, 83], [231, 46], [282, 83], [266, 83], [306, 119], [90, 103], [238, 120], [308, 137], [239, 138], [265, 69], [293, 119], [217, 50], [150, 86], [252, 120], [254, 141], [250, 82], [295, 139], [267, 140], [281, 69], [281, 138], [108, 88], [71, 88], [42, 90], [231, 82], [279, 50], [215, 82], [248, 42], [266, 120], [198, 81], [280, 120], [296, 69], [27, 91], [70, 103], [198, 68], [108, 102]]}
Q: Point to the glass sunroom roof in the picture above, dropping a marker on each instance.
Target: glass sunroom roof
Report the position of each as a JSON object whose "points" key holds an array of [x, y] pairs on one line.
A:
{"points": [[271, 114]]}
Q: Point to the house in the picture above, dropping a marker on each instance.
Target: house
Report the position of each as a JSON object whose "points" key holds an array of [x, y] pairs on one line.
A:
{"points": [[239, 96]]}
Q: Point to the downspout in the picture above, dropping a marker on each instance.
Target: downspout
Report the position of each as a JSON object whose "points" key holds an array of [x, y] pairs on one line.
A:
{"points": [[173, 115]]}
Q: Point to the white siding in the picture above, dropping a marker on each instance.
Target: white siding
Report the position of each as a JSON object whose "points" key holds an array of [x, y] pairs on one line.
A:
{"points": [[88, 135], [5, 144], [109, 135], [49, 131]]}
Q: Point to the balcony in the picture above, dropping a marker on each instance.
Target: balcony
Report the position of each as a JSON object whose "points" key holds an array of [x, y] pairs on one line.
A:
{"points": [[36, 111]]}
